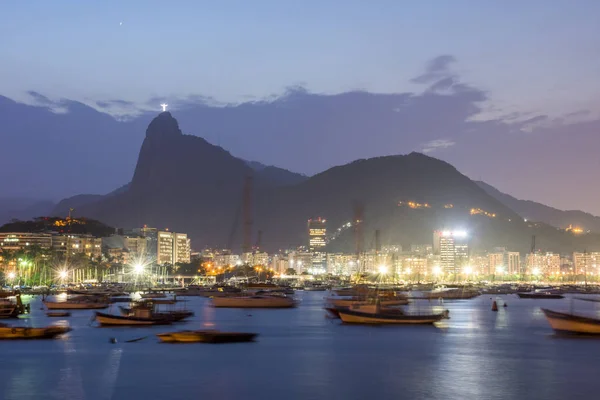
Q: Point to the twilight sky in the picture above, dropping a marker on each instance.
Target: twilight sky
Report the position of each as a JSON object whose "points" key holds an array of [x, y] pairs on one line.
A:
{"points": [[519, 76]]}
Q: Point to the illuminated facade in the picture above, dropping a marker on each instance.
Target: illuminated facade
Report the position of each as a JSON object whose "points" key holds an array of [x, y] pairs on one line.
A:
{"points": [[586, 263], [173, 248], [514, 263], [75, 244], [452, 246], [22, 240], [547, 264], [317, 235]]}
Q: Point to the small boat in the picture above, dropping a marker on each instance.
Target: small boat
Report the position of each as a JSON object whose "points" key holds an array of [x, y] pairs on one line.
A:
{"points": [[591, 299], [334, 312], [58, 314], [385, 317], [452, 294], [80, 303], [174, 316], [540, 295], [8, 310], [210, 336], [15, 333], [254, 302], [141, 318], [571, 323]]}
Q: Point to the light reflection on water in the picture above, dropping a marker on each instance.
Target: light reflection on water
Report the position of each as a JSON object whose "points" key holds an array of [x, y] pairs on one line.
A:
{"points": [[300, 354]]}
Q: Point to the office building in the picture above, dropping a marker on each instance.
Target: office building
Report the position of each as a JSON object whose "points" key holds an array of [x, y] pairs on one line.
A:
{"points": [[317, 239], [452, 246], [23, 240]]}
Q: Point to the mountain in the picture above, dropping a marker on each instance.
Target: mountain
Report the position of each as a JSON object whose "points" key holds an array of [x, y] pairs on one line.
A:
{"points": [[184, 183], [276, 175], [539, 212]]}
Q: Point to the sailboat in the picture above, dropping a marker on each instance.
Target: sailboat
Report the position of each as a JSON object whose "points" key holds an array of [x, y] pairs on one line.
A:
{"points": [[572, 323]]}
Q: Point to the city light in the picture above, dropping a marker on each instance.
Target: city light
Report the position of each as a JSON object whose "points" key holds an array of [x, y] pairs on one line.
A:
{"points": [[63, 274], [536, 271], [383, 269], [437, 270], [408, 271], [12, 275], [468, 270], [138, 268]]}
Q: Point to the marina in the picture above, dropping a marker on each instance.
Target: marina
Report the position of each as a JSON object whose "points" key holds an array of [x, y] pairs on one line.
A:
{"points": [[441, 360]]}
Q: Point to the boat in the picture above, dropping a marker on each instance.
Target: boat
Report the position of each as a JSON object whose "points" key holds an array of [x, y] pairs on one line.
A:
{"points": [[452, 294], [347, 302], [572, 323], [209, 336], [58, 314], [334, 312], [153, 295], [384, 317], [140, 319], [174, 316], [540, 295], [15, 333], [254, 302], [591, 299], [8, 309], [79, 303]]}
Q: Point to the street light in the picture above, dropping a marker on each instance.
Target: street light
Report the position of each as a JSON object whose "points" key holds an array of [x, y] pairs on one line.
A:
{"points": [[138, 268], [12, 275], [63, 274], [383, 269]]}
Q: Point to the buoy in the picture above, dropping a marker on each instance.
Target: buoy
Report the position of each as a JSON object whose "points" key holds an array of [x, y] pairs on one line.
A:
{"points": [[494, 306], [505, 305], [112, 340]]}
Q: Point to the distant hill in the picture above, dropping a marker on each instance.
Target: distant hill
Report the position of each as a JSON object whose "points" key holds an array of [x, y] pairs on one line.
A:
{"points": [[184, 183], [23, 209], [539, 212], [60, 225]]}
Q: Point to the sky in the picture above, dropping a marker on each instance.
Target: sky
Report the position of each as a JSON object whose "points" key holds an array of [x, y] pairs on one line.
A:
{"points": [[518, 59]]}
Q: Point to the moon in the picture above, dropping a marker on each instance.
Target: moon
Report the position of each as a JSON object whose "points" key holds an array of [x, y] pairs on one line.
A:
{"points": [[120, 23]]}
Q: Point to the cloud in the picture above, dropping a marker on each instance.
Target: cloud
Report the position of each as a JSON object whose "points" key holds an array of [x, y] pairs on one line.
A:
{"points": [[437, 68], [437, 144]]}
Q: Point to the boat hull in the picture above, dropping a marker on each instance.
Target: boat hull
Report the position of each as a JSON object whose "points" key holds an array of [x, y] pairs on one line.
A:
{"points": [[540, 296], [253, 302], [51, 305], [116, 320], [351, 302], [572, 324], [206, 337], [22, 333], [356, 317]]}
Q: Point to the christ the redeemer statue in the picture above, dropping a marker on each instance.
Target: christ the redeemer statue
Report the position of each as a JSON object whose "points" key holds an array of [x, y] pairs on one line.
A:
{"points": [[164, 106]]}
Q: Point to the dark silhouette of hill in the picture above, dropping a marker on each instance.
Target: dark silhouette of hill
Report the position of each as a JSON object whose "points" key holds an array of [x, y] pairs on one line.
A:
{"points": [[77, 201], [534, 211], [60, 225], [184, 183]]}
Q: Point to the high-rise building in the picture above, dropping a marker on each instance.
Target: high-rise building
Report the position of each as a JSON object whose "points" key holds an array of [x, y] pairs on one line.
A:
{"points": [[151, 235], [514, 263], [547, 264], [453, 250], [317, 235], [173, 248], [496, 264], [586, 263]]}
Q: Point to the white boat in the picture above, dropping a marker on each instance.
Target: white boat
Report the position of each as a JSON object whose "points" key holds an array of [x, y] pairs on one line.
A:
{"points": [[254, 302], [76, 304]]}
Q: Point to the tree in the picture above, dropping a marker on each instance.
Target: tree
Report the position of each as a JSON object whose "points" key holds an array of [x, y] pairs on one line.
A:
{"points": [[290, 271]]}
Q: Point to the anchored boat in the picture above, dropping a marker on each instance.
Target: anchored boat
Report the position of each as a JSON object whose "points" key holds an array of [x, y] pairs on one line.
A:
{"points": [[78, 303], [572, 323], [141, 319], [540, 295], [15, 333], [209, 336]]}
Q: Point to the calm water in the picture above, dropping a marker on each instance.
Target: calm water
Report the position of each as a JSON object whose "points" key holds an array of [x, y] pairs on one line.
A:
{"points": [[300, 354]]}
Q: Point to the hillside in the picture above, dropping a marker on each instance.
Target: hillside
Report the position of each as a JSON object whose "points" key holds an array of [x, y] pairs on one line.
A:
{"points": [[184, 183], [534, 211]]}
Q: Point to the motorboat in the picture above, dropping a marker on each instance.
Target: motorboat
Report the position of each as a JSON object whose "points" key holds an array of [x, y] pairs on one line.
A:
{"points": [[334, 311], [17, 332], [254, 302], [208, 336], [153, 295], [572, 323], [452, 294], [174, 316]]}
